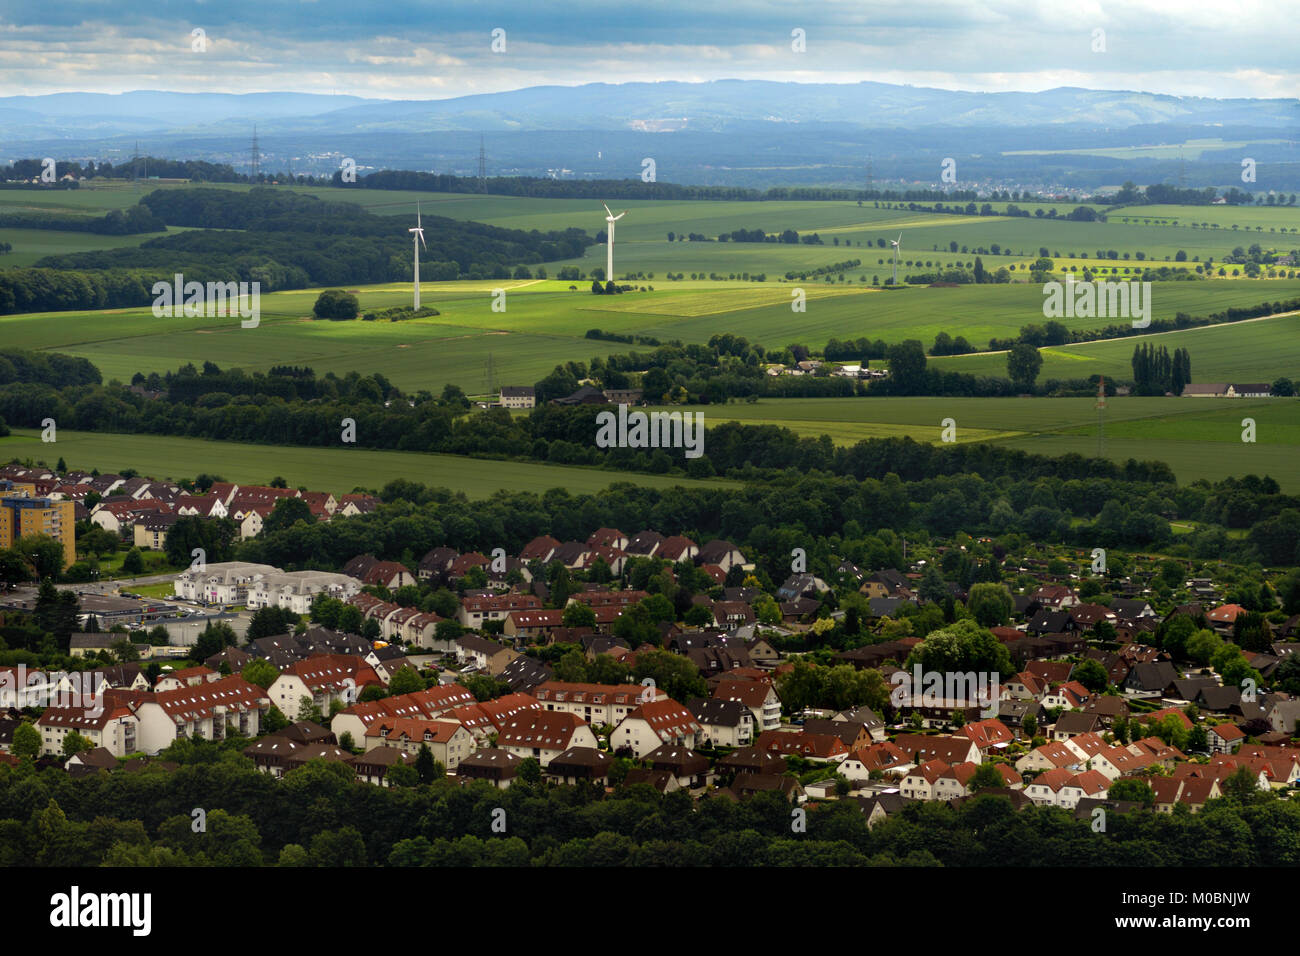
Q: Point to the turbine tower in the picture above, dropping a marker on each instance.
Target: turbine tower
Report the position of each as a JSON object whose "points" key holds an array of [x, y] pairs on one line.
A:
{"points": [[609, 242], [417, 240], [895, 244]]}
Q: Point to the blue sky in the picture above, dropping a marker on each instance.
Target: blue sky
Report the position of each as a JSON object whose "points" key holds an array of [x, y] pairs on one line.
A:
{"points": [[417, 50]]}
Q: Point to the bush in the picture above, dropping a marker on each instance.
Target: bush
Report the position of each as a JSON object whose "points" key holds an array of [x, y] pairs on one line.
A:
{"points": [[336, 304]]}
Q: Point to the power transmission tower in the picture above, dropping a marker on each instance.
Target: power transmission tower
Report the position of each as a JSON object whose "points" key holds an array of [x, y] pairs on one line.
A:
{"points": [[1182, 171], [869, 176], [137, 163], [490, 376], [482, 166], [255, 157]]}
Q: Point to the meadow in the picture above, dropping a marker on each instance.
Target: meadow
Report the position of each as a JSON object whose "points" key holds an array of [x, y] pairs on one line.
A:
{"points": [[847, 229], [1196, 437], [544, 324], [337, 470], [1254, 350]]}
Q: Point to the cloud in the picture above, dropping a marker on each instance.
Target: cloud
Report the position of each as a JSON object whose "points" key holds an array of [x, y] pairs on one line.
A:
{"points": [[426, 49]]}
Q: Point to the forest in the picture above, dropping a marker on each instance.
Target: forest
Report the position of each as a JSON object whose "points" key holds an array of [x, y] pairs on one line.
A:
{"points": [[318, 815]]}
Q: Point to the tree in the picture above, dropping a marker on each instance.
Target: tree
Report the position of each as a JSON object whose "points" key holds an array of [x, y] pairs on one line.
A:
{"points": [[215, 638], [260, 672], [1030, 725], [1023, 364], [1091, 675], [986, 777], [274, 721], [133, 563], [932, 586], [26, 741], [578, 614], [308, 709], [1131, 788], [401, 775], [990, 604], [98, 541], [270, 622], [406, 680], [907, 367], [426, 767], [572, 667], [74, 743], [675, 675], [336, 304], [41, 552], [333, 848], [961, 647], [530, 771], [285, 513]]}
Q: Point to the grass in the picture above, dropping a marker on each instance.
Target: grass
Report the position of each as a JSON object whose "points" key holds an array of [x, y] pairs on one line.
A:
{"points": [[1251, 351], [337, 470], [1198, 438], [544, 324]]}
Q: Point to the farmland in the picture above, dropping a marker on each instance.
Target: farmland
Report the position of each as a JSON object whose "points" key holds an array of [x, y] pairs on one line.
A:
{"points": [[338, 470], [848, 230], [1197, 438], [1255, 350], [544, 322]]}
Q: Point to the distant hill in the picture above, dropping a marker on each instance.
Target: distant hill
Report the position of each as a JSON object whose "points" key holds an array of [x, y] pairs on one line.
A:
{"points": [[751, 133]]}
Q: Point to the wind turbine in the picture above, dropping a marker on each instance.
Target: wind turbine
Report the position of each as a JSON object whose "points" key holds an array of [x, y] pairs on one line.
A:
{"points": [[609, 242], [895, 244], [417, 240]]}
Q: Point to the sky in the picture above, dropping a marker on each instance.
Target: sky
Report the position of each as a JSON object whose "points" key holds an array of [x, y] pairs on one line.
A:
{"points": [[409, 49]]}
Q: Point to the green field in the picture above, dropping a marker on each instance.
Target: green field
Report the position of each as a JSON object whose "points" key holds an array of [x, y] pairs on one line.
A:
{"points": [[643, 244], [1254, 350], [544, 323], [1198, 438], [338, 470]]}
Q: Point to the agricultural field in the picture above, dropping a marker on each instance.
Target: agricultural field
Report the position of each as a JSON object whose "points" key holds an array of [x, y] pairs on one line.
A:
{"points": [[1198, 438], [1254, 350], [544, 323], [848, 230], [338, 470]]}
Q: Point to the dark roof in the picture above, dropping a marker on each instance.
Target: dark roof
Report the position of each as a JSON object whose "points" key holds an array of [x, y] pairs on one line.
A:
{"points": [[718, 712], [589, 760], [524, 673], [1156, 675], [490, 762]]}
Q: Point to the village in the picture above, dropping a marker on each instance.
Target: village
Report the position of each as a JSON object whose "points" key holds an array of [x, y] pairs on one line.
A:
{"points": [[1090, 713]]}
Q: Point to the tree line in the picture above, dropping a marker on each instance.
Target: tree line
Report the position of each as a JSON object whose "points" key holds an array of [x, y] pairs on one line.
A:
{"points": [[1156, 372], [117, 222]]}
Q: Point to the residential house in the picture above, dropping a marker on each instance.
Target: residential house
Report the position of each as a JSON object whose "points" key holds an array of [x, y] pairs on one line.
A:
{"points": [[544, 734]]}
